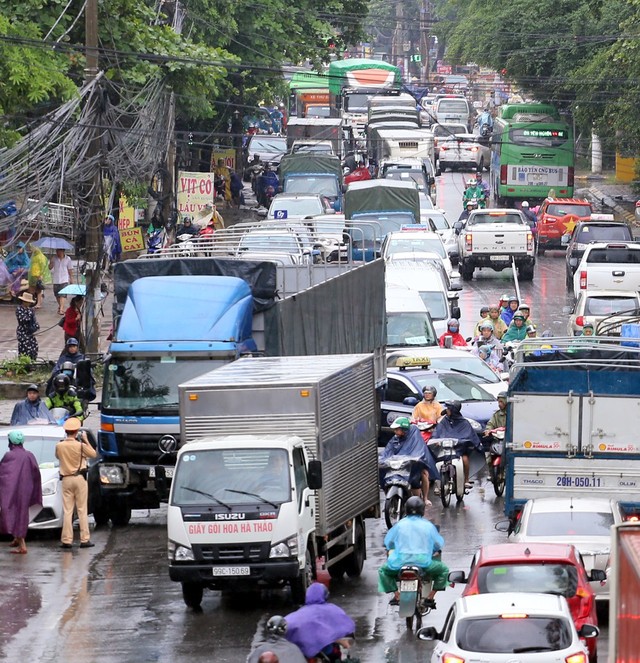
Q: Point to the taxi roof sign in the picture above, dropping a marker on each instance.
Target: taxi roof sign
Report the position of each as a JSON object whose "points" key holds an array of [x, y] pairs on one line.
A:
{"points": [[413, 362]]}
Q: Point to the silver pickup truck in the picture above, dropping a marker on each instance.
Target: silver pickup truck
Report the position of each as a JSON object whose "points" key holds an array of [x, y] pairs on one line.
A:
{"points": [[491, 238]]}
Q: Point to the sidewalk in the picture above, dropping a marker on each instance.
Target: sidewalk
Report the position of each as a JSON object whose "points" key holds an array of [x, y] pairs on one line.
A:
{"points": [[616, 198]]}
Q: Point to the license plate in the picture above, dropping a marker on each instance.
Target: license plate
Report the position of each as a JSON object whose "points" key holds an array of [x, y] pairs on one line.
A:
{"points": [[168, 472], [231, 571], [408, 585], [537, 178], [580, 482], [499, 258]]}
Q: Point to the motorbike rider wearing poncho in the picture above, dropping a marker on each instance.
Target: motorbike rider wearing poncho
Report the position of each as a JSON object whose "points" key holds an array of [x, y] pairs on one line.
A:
{"points": [[277, 644], [31, 409], [408, 441], [318, 625], [453, 425]]}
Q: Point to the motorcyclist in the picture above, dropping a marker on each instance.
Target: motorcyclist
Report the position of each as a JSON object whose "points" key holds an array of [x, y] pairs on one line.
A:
{"points": [[485, 120], [186, 228], [486, 335], [267, 179], [31, 409], [474, 191], [468, 208], [529, 215], [517, 329], [276, 643], [510, 309], [70, 353], [407, 441], [428, 409], [485, 187], [499, 326], [65, 397], [489, 355], [457, 339], [526, 311], [413, 540], [453, 425], [499, 417], [318, 626]]}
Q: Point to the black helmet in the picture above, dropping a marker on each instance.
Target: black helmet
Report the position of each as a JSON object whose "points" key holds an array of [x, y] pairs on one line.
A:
{"points": [[61, 383], [277, 625], [484, 309], [431, 389], [454, 406], [414, 506]]}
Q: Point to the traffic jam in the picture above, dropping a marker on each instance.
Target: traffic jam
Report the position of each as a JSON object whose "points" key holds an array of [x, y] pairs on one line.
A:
{"points": [[388, 416]]}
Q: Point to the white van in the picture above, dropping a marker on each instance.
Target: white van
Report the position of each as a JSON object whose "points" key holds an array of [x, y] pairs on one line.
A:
{"points": [[408, 321], [452, 110]]}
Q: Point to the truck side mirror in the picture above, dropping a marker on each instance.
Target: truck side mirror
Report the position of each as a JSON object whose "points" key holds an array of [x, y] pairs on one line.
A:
{"points": [[458, 226], [455, 312], [162, 486], [314, 474], [457, 577]]}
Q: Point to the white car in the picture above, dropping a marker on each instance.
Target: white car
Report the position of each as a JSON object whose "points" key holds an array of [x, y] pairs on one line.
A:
{"points": [[509, 628], [436, 220], [608, 266], [281, 245], [442, 132], [610, 305], [584, 522], [417, 239], [463, 151], [285, 206], [41, 440]]}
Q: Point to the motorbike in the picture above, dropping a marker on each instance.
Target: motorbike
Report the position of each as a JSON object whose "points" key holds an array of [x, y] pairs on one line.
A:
{"points": [[340, 653], [185, 242], [449, 464], [269, 193], [155, 241], [396, 486], [426, 429], [495, 460], [415, 587]]}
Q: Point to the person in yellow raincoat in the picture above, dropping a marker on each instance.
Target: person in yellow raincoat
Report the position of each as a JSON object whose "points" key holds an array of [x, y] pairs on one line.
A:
{"points": [[39, 275], [222, 172]]}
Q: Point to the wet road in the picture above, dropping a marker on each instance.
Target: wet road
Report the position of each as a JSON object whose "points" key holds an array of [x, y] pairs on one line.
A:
{"points": [[115, 602]]}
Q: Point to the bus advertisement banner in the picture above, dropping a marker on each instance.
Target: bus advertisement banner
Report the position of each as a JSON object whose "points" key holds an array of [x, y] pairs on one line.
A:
{"points": [[550, 176]]}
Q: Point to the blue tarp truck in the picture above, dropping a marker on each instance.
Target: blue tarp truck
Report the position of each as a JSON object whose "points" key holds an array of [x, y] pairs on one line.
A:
{"points": [[178, 318], [573, 417]]}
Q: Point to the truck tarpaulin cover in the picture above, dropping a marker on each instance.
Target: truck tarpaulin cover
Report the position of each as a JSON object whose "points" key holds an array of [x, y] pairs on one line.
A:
{"points": [[334, 317], [260, 276], [309, 163], [382, 196]]}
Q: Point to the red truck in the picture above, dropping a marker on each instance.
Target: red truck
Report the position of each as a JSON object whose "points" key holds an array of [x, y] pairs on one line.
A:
{"points": [[624, 597]]}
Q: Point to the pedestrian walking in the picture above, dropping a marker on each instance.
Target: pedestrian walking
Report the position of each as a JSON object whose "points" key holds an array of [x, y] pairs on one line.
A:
{"points": [[20, 491], [72, 452], [61, 276], [111, 239], [39, 275], [73, 319], [27, 326]]}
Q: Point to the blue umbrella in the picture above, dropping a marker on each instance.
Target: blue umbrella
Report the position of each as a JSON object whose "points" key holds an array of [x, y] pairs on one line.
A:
{"points": [[74, 289], [53, 243]]}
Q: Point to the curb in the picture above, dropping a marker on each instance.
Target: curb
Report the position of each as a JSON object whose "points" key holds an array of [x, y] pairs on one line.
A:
{"points": [[610, 202]]}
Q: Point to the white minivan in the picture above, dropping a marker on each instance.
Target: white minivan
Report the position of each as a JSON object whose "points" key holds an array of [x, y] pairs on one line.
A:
{"points": [[452, 110], [408, 321]]}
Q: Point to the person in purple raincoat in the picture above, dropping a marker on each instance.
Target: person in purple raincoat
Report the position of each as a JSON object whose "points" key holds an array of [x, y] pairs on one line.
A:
{"points": [[317, 626], [20, 489]]}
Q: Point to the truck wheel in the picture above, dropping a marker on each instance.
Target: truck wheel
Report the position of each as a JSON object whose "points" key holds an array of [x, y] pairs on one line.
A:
{"points": [[120, 516], [336, 571], [354, 563], [300, 585], [192, 594], [101, 516], [466, 273], [541, 250], [526, 273]]}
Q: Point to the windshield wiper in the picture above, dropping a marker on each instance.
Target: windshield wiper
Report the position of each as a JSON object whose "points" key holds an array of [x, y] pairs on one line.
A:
{"points": [[534, 648], [209, 495], [244, 492], [475, 375]]}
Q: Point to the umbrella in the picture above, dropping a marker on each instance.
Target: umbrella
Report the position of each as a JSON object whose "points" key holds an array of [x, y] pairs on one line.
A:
{"points": [[74, 289], [53, 243]]}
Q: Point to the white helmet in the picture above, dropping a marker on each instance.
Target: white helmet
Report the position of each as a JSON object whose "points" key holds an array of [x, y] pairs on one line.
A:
{"points": [[525, 203]]}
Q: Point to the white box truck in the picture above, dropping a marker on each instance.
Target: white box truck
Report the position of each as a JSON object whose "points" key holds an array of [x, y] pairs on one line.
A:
{"points": [[278, 468]]}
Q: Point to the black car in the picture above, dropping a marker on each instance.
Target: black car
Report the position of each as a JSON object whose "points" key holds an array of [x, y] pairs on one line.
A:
{"points": [[586, 232]]}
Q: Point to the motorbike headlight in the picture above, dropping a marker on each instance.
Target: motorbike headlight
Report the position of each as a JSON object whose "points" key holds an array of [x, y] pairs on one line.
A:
{"points": [[50, 487], [112, 474], [396, 464], [284, 549], [178, 553]]}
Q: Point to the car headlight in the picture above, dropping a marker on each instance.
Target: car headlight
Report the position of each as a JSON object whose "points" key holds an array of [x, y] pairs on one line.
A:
{"points": [[287, 548], [178, 553], [50, 487], [111, 474]]}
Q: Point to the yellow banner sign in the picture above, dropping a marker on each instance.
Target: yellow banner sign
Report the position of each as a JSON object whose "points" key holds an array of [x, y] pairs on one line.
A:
{"points": [[228, 156], [126, 214], [131, 239], [195, 192]]}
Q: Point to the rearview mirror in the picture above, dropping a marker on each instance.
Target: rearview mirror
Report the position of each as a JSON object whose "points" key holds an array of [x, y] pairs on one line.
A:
{"points": [[457, 576], [597, 575], [410, 400], [503, 526], [262, 213], [314, 474], [428, 633], [455, 312], [458, 226], [589, 631], [565, 239]]}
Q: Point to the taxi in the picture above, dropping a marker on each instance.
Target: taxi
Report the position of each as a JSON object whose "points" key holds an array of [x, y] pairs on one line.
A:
{"points": [[558, 217]]}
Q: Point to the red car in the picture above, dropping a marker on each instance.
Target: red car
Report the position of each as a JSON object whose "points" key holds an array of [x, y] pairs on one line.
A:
{"points": [[551, 568], [558, 217]]}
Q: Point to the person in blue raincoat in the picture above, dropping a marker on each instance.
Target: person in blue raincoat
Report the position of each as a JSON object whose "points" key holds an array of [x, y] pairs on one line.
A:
{"points": [[18, 259], [453, 425], [408, 441], [112, 245]]}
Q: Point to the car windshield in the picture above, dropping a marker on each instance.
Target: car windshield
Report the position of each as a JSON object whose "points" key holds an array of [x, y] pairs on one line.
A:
{"points": [[379, 224], [504, 635], [609, 305], [323, 185], [296, 207], [405, 175], [457, 106], [420, 244], [475, 369], [563, 210], [149, 383], [273, 145], [439, 221], [224, 476], [543, 577], [614, 255], [453, 387], [436, 304], [594, 233], [569, 523], [407, 329], [477, 219], [280, 243], [317, 111], [448, 130], [43, 448]]}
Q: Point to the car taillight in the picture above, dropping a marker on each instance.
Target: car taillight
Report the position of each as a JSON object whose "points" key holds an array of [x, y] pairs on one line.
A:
{"points": [[580, 321], [586, 602], [452, 658], [576, 658], [468, 240], [583, 279], [503, 174], [443, 148], [472, 149], [529, 241], [570, 176]]}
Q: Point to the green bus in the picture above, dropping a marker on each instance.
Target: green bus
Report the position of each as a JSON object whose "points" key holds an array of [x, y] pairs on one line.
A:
{"points": [[309, 94], [531, 154]]}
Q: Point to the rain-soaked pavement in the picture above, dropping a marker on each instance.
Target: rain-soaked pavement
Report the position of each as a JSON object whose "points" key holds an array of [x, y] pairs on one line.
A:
{"points": [[115, 602]]}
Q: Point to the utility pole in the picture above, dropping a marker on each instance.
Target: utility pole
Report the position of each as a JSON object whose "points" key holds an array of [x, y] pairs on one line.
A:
{"points": [[425, 39], [93, 234]]}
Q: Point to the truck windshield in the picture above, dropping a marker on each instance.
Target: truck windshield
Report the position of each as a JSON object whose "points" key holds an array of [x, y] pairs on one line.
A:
{"points": [[325, 185], [149, 383], [296, 206], [228, 476], [357, 102]]}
